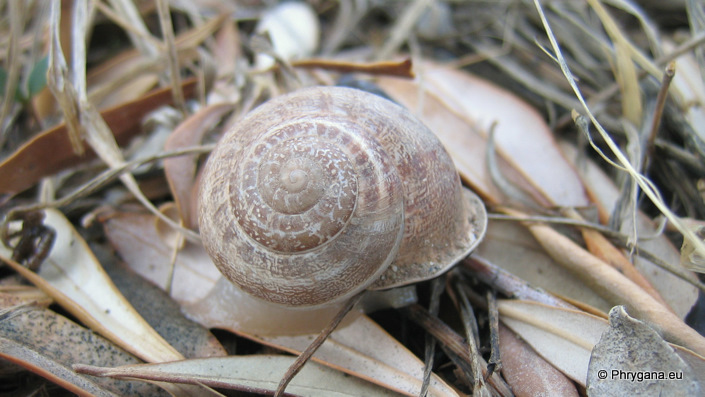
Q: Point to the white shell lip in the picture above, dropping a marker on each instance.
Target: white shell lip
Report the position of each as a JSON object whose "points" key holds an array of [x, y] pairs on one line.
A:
{"points": [[474, 220]]}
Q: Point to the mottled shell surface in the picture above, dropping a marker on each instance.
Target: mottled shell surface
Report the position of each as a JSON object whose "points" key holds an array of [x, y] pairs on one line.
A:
{"points": [[321, 193]]}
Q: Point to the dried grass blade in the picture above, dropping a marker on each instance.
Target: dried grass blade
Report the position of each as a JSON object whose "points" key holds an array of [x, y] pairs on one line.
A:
{"points": [[85, 122], [647, 187]]}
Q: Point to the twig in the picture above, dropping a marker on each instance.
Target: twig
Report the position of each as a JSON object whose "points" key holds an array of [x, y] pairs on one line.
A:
{"points": [[509, 284], [436, 290], [467, 316], [387, 68], [494, 364], [453, 342], [658, 113], [168, 33], [110, 174], [311, 349]]}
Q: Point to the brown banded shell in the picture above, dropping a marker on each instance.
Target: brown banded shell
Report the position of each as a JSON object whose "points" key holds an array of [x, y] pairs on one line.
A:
{"points": [[321, 193]]}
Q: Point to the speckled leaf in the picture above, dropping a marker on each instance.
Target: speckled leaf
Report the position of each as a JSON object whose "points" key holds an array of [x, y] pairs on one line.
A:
{"points": [[57, 373], [632, 359], [74, 278], [48, 344], [160, 311]]}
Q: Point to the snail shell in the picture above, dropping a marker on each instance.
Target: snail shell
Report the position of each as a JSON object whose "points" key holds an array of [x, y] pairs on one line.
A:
{"points": [[321, 193]]}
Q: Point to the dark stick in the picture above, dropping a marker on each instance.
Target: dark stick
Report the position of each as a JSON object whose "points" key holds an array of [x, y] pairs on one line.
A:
{"points": [[311, 349], [495, 362]]}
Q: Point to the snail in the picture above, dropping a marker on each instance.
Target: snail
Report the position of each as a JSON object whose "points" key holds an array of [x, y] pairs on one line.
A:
{"points": [[319, 194]]}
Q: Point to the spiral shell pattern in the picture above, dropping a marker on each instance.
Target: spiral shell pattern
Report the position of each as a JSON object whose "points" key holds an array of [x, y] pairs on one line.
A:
{"points": [[306, 207], [321, 193], [298, 189]]}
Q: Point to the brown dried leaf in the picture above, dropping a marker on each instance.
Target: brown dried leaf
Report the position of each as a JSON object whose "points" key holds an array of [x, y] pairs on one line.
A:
{"points": [[632, 359], [387, 68], [21, 170], [181, 171], [527, 373]]}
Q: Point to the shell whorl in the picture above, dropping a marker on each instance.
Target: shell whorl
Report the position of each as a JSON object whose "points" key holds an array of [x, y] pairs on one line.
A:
{"points": [[321, 193], [315, 206], [297, 189]]}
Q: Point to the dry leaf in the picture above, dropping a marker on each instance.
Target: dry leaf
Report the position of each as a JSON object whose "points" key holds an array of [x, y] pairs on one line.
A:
{"points": [[632, 359], [181, 171], [48, 344], [365, 350], [614, 287], [527, 373], [563, 337], [60, 374], [255, 374], [134, 236], [21, 170], [73, 277], [511, 247], [695, 361], [522, 137]]}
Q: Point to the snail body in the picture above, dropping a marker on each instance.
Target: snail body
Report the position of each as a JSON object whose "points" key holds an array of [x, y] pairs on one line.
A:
{"points": [[321, 193]]}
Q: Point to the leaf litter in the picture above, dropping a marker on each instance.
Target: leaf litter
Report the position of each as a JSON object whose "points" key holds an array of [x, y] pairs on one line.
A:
{"points": [[554, 186]]}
